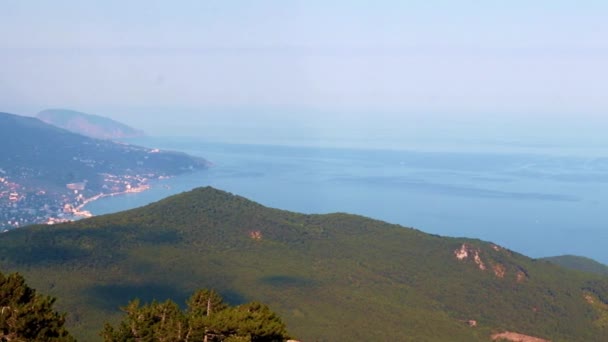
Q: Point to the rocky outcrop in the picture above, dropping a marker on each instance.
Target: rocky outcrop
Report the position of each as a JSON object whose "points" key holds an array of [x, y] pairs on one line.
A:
{"points": [[467, 251], [501, 269]]}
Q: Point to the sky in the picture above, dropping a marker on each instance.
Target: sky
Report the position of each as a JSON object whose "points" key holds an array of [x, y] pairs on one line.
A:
{"points": [[501, 70]]}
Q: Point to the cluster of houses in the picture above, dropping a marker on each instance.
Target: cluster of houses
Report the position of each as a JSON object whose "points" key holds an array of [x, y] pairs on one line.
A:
{"points": [[20, 206]]}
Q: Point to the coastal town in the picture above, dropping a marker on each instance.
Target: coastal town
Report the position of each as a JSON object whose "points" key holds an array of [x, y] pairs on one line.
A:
{"points": [[49, 175], [22, 205]]}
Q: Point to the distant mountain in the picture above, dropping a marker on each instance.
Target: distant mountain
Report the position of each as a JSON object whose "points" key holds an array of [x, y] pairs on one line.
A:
{"points": [[87, 124], [48, 173], [334, 277], [579, 263]]}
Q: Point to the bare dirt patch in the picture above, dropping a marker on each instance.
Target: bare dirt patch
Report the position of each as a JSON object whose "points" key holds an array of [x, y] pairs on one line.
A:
{"points": [[517, 337]]}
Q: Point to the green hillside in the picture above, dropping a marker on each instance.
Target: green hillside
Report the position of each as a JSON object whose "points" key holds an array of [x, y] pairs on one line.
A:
{"points": [[335, 277], [580, 263]]}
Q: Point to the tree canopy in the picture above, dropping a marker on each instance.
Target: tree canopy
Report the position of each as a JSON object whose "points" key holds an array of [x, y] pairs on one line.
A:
{"points": [[206, 318], [26, 315]]}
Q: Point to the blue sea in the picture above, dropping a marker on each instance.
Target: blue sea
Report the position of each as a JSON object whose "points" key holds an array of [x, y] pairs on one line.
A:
{"points": [[534, 201]]}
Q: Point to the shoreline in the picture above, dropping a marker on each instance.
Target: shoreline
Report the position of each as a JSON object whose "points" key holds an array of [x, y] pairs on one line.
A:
{"points": [[79, 212]]}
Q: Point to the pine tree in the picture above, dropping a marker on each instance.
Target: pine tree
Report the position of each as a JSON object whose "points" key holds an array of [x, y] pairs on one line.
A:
{"points": [[26, 315], [207, 318], [162, 322], [253, 322], [201, 305]]}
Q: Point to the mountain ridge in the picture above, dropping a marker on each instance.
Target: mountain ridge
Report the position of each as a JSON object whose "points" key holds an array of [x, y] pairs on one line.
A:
{"points": [[580, 263], [331, 277], [94, 126]]}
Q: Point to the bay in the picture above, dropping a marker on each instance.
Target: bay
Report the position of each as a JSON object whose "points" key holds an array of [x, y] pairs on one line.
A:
{"points": [[539, 204]]}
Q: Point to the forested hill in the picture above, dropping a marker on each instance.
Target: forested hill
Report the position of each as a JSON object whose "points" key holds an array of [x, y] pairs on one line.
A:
{"points": [[335, 277], [94, 126], [46, 172], [579, 263]]}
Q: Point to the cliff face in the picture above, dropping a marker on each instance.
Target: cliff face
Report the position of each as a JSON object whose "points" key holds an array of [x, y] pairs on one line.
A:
{"points": [[90, 125]]}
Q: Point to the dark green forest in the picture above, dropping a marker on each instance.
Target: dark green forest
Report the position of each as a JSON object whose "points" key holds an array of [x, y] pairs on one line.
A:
{"points": [[334, 277]]}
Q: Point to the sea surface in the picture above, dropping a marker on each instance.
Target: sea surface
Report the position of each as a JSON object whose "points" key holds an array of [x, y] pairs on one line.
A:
{"points": [[539, 203]]}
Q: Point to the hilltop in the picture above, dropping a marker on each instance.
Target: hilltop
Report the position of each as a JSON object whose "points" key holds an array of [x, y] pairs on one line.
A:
{"points": [[333, 277], [94, 126], [48, 173]]}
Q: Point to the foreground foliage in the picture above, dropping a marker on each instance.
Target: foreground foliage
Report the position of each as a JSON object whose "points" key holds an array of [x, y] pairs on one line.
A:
{"points": [[26, 315], [207, 318]]}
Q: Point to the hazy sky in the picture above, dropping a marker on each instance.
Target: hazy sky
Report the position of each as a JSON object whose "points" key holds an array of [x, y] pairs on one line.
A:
{"points": [[315, 65]]}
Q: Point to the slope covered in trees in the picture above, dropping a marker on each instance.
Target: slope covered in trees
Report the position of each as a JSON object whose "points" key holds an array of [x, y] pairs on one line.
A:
{"points": [[579, 263], [28, 316], [335, 277]]}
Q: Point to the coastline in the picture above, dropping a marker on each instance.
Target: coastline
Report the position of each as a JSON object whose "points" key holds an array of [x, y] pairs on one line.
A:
{"points": [[79, 212]]}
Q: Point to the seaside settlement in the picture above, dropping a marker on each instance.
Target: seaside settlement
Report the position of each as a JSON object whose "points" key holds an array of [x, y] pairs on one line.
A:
{"points": [[21, 204], [48, 175]]}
